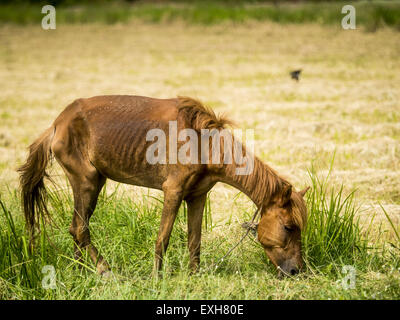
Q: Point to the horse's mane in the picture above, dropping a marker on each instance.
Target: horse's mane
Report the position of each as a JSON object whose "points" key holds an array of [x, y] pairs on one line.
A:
{"points": [[200, 116], [299, 210], [263, 183]]}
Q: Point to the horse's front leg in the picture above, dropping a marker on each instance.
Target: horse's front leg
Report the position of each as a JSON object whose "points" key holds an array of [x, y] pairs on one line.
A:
{"points": [[172, 202], [195, 217]]}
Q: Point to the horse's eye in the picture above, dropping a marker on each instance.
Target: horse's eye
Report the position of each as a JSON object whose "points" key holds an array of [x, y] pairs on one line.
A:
{"points": [[288, 228]]}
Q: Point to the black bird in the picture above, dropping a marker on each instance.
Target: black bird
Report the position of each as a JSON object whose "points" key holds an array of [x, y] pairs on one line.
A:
{"points": [[295, 74]]}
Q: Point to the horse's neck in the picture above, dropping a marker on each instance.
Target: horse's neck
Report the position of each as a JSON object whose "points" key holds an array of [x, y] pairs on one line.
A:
{"points": [[261, 183]]}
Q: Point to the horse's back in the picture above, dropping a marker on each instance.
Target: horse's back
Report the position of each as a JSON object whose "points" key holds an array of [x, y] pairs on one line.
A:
{"points": [[118, 108], [110, 132], [125, 107]]}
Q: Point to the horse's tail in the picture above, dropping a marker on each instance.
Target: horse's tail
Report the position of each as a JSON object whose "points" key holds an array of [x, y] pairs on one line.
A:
{"points": [[32, 173]]}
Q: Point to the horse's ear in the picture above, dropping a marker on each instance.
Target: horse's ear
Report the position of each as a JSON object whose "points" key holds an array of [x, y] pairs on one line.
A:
{"points": [[304, 191], [286, 194]]}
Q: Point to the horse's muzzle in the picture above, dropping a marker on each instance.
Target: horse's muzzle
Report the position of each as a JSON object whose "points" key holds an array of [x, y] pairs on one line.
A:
{"points": [[287, 269]]}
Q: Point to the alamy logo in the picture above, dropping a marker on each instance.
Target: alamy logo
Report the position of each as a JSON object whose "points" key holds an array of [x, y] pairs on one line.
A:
{"points": [[49, 280], [349, 20], [49, 20], [184, 146], [349, 280]]}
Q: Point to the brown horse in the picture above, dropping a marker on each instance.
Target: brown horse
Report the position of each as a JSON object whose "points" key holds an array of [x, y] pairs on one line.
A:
{"points": [[106, 137]]}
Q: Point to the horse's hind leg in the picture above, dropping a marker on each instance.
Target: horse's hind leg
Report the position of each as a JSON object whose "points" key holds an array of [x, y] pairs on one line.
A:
{"points": [[86, 191], [86, 183], [70, 146]]}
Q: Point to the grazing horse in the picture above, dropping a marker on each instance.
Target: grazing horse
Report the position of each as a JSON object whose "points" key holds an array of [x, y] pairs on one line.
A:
{"points": [[107, 137]]}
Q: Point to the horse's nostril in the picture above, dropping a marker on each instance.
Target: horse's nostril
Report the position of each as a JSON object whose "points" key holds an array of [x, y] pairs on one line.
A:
{"points": [[294, 271]]}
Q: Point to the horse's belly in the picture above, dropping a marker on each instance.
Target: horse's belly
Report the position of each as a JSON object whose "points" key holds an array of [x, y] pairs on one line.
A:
{"points": [[120, 154], [136, 178], [144, 176]]}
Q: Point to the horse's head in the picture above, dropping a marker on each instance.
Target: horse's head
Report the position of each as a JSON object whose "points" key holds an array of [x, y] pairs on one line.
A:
{"points": [[279, 229]]}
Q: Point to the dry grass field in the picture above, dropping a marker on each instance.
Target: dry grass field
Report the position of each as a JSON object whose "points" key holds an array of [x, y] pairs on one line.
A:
{"points": [[346, 104], [347, 101]]}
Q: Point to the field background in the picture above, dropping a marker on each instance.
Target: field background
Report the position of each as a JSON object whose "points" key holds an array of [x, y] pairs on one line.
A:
{"points": [[344, 115]]}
